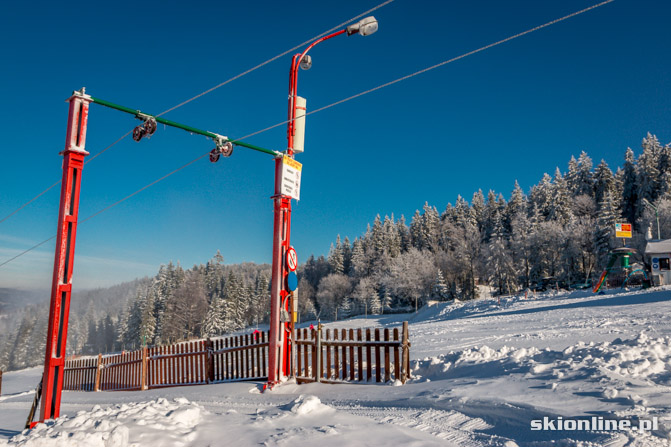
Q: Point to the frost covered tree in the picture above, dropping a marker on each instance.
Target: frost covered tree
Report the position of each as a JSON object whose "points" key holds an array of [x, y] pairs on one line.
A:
{"points": [[336, 258], [478, 209], [214, 319], [629, 187], [333, 289], [500, 263], [604, 182], [440, 290], [560, 206], [366, 298], [604, 232], [410, 277]]}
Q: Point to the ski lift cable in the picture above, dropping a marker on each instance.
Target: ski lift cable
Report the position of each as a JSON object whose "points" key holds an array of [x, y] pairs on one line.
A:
{"points": [[440, 64], [93, 157], [300, 45], [109, 206], [337, 103]]}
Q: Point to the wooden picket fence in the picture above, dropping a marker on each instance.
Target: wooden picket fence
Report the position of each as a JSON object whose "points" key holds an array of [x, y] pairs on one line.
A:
{"points": [[188, 363], [354, 355], [244, 357]]}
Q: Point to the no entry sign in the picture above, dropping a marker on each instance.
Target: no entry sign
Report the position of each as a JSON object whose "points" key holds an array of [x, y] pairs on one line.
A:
{"points": [[292, 259]]}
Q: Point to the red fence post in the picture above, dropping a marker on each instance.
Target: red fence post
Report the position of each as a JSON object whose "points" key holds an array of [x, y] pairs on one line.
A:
{"points": [[73, 162]]}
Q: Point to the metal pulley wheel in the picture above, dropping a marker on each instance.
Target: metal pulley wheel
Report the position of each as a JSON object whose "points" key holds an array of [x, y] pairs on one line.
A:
{"points": [[215, 154], [138, 133], [150, 126], [226, 149]]}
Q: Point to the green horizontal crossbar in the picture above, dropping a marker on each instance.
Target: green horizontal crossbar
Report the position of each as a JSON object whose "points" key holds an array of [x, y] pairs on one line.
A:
{"points": [[141, 115]]}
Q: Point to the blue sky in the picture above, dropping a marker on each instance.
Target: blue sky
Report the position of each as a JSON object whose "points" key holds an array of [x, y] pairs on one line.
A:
{"points": [[597, 82]]}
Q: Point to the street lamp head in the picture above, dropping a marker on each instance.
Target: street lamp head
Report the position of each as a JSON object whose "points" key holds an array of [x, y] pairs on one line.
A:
{"points": [[306, 62], [365, 27]]}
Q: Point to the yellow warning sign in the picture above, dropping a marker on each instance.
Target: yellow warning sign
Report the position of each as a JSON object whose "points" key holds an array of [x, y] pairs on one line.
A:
{"points": [[623, 230], [292, 163]]}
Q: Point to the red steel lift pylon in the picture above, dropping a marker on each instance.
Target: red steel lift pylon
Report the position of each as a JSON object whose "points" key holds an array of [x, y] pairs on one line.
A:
{"points": [[61, 287]]}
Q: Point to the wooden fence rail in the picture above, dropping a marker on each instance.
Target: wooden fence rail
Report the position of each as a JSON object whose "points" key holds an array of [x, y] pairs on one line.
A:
{"points": [[343, 356]]}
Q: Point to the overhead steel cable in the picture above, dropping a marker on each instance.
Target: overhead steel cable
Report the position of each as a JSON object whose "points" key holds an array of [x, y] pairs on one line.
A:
{"points": [[238, 76], [432, 67], [300, 45], [365, 92]]}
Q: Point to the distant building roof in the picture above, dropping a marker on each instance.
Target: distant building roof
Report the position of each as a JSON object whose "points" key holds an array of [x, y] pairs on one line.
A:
{"points": [[663, 246]]}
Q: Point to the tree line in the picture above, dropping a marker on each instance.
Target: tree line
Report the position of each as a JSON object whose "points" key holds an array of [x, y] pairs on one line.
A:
{"points": [[562, 229]]}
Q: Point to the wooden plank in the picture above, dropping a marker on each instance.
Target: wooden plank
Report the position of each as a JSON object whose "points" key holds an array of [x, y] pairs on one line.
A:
{"points": [[352, 363], [359, 338], [302, 353], [327, 370], [313, 350], [344, 354], [387, 364], [263, 355], [172, 350], [405, 374], [150, 368], [378, 363], [248, 372], [369, 363], [397, 362], [336, 355], [236, 342], [306, 354]]}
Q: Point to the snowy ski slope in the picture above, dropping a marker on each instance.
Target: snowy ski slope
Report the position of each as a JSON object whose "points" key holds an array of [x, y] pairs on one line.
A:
{"points": [[482, 373]]}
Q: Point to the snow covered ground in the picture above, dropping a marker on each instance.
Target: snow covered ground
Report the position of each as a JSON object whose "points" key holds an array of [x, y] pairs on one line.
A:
{"points": [[482, 373]]}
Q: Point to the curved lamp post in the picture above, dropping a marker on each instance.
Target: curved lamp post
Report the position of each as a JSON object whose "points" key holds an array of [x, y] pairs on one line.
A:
{"points": [[281, 315]]}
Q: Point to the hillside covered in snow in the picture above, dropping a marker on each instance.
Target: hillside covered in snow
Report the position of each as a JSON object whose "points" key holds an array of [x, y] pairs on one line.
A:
{"points": [[482, 372]]}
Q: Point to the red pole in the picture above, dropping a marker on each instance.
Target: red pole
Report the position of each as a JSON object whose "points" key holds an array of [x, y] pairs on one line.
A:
{"points": [[279, 346], [57, 332]]}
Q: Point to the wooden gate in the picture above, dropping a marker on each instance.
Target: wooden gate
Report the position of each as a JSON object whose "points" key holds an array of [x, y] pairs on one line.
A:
{"points": [[352, 355]]}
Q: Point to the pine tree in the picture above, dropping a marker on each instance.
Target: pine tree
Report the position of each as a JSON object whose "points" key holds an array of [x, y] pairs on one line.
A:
{"points": [[347, 256], [479, 210], [584, 181], [560, 207], [403, 234], [605, 227], [500, 263], [648, 171], [604, 182], [214, 320], [572, 178], [440, 290], [336, 258], [416, 230], [542, 196], [429, 228], [148, 320]]}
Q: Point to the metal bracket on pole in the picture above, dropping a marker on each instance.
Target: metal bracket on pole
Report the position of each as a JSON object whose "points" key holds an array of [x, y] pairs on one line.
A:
{"points": [[61, 287]]}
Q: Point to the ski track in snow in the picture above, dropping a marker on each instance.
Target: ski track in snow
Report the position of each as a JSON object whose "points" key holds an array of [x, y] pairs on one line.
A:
{"points": [[481, 372]]}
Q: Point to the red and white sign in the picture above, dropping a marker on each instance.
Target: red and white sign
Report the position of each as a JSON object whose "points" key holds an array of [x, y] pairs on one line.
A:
{"points": [[292, 259]]}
